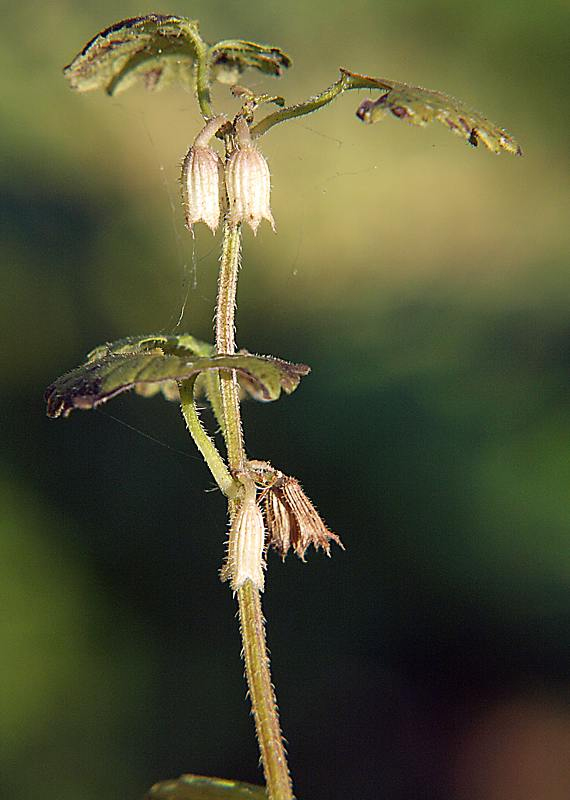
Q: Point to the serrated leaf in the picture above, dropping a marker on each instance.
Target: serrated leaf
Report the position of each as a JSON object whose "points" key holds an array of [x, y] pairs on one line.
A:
{"points": [[154, 361], [232, 57], [155, 47], [419, 106], [197, 787]]}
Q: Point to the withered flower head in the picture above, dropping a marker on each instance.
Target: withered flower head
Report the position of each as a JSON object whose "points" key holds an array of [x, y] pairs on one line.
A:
{"points": [[292, 520], [246, 544], [203, 179], [248, 182]]}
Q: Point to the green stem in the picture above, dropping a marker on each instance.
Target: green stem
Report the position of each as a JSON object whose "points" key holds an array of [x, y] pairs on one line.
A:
{"points": [[202, 67], [203, 84], [214, 395], [264, 706], [229, 486]]}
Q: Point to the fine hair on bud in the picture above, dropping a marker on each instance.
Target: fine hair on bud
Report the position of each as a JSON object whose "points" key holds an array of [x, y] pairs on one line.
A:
{"points": [[203, 187], [246, 543], [248, 182]]}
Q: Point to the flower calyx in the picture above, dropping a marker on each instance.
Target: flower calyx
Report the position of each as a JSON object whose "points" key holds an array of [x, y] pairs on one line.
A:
{"points": [[203, 187], [246, 541]]}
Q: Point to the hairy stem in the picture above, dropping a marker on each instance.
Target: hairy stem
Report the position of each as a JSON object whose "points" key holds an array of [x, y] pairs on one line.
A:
{"points": [[226, 344], [262, 695], [264, 706]]}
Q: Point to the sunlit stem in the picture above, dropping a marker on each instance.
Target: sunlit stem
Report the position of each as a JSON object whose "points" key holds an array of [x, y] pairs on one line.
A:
{"points": [[229, 486], [252, 627]]}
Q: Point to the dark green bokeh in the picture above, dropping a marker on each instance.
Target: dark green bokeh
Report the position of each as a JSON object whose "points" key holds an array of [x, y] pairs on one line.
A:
{"points": [[427, 286]]}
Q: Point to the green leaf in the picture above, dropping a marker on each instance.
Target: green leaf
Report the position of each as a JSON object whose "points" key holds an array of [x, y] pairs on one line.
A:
{"points": [[150, 362], [156, 48], [197, 787], [230, 58], [170, 345], [419, 106]]}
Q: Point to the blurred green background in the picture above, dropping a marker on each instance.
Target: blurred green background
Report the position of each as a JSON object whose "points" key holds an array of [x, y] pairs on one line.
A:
{"points": [[427, 285]]}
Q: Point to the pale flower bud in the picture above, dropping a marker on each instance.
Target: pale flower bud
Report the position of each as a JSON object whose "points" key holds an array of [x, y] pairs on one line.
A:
{"points": [[246, 544], [248, 182], [202, 179]]}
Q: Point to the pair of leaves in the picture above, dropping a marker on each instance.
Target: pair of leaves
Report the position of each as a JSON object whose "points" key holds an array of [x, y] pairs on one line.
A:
{"points": [[161, 48], [197, 787], [154, 361]]}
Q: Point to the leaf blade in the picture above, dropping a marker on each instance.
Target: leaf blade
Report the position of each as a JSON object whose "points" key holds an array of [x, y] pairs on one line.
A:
{"points": [[419, 106]]}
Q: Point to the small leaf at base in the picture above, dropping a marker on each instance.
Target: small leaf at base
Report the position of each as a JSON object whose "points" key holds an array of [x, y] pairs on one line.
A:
{"points": [[198, 787]]}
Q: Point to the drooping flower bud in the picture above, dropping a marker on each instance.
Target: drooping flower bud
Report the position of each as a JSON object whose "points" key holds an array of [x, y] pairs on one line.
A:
{"points": [[248, 182], [203, 179], [246, 543]]}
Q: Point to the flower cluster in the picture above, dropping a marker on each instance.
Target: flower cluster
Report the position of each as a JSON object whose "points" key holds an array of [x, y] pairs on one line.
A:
{"points": [[242, 188]]}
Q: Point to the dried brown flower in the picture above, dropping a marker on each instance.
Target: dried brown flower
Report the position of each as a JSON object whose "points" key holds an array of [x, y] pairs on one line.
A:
{"points": [[292, 519]]}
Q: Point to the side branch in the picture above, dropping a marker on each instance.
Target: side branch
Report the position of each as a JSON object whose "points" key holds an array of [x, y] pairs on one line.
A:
{"points": [[229, 486], [300, 109]]}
